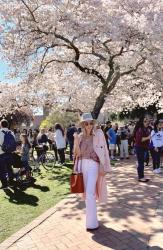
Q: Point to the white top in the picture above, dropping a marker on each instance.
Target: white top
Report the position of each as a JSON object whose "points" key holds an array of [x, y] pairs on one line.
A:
{"points": [[59, 139], [157, 138], [2, 138]]}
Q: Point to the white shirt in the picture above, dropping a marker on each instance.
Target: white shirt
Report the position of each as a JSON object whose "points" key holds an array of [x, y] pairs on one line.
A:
{"points": [[157, 138], [2, 138], [59, 139]]}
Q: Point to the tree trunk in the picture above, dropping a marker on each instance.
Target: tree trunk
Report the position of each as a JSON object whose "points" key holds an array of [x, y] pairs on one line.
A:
{"points": [[98, 105], [101, 98]]}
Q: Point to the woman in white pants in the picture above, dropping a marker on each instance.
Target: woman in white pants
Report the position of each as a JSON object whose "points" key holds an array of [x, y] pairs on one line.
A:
{"points": [[91, 150]]}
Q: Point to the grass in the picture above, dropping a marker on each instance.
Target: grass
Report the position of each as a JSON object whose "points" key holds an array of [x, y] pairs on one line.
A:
{"points": [[20, 206]]}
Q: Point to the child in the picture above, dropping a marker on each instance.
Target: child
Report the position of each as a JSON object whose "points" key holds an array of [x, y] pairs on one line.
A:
{"points": [[156, 146], [25, 147]]}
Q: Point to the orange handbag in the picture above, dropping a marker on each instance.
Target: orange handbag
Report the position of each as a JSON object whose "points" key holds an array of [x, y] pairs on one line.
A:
{"points": [[76, 183]]}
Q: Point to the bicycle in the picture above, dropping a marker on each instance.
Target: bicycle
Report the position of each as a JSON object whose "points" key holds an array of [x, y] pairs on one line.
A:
{"points": [[41, 156]]}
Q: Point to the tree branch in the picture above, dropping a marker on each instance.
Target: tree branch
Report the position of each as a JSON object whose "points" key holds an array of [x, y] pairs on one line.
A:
{"points": [[77, 56], [42, 69], [142, 61], [30, 11]]}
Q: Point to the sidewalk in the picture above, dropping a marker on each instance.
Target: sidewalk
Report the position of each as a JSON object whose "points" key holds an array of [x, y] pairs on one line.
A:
{"points": [[132, 219]]}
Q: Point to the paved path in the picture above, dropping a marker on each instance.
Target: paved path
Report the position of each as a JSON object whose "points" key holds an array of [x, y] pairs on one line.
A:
{"points": [[131, 219]]}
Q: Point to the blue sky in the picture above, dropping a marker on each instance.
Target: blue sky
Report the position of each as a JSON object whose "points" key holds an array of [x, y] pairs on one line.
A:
{"points": [[4, 70]]}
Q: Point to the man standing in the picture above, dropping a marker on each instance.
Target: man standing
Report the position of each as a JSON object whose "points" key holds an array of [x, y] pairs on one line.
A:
{"points": [[70, 137], [123, 134], [7, 146], [112, 139], [107, 127]]}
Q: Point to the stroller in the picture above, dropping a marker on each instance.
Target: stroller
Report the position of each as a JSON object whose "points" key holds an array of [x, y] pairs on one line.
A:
{"points": [[19, 173]]}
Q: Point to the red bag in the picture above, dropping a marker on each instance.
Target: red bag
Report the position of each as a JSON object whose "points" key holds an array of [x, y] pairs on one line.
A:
{"points": [[76, 181]]}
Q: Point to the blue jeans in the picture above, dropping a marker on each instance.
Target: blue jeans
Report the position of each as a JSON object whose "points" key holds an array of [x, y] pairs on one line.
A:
{"points": [[140, 153]]}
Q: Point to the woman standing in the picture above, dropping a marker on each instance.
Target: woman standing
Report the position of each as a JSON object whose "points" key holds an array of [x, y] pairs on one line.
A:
{"points": [[60, 142], [142, 140], [92, 158], [25, 147], [156, 146]]}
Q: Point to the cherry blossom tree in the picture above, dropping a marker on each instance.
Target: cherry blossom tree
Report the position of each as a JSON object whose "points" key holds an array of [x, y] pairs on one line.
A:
{"points": [[85, 54]]}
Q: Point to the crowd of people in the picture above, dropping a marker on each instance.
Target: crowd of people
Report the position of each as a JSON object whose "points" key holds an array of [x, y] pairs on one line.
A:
{"points": [[21, 144], [143, 138]]}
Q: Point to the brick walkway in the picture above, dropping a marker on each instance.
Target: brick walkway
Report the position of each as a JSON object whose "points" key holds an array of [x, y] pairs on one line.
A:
{"points": [[129, 220]]}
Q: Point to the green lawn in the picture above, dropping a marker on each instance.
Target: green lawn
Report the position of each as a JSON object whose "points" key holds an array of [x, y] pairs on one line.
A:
{"points": [[20, 206]]}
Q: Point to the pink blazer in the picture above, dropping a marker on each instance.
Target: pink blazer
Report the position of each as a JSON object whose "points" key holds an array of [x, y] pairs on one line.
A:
{"points": [[100, 147]]}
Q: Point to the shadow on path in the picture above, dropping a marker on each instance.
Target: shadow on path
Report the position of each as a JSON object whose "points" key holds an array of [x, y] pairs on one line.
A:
{"points": [[119, 240]]}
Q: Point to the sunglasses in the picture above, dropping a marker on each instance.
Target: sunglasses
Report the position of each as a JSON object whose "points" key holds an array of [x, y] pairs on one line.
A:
{"points": [[88, 123]]}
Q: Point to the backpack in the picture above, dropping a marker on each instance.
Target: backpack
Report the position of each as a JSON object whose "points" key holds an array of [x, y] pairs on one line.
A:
{"points": [[9, 143]]}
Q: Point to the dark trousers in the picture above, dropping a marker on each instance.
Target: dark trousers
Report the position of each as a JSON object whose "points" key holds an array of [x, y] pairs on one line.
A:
{"points": [[71, 144], [140, 153], [146, 157], [61, 153], [55, 151], [6, 162], [156, 155]]}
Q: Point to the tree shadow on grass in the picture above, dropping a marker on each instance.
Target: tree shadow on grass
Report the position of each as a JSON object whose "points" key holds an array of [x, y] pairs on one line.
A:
{"points": [[19, 197], [123, 240]]}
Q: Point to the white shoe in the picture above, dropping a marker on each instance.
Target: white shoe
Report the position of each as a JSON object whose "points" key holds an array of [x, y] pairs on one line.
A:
{"points": [[155, 171], [158, 170]]}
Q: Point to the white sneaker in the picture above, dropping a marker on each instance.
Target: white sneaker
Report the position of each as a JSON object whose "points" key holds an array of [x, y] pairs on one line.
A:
{"points": [[158, 170], [155, 171]]}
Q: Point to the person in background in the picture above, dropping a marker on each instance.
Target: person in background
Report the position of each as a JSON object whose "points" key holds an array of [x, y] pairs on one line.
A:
{"points": [[35, 142], [25, 147], [42, 137], [24, 131], [112, 139], [142, 140], [52, 142], [130, 138], [107, 127], [6, 160], [118, 139], [30, 136], [146, 157], [60, 142], [17, 136], [79, 130], [70, 137], [50, 135], [156, 146], [123, 135]]}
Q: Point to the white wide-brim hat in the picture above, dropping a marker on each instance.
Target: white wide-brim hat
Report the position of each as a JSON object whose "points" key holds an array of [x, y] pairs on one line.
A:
{"points": [[85, 117]]}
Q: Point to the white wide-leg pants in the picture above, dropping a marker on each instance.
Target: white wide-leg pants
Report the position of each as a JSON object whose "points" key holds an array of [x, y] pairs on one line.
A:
{"points": [[90, 170]]}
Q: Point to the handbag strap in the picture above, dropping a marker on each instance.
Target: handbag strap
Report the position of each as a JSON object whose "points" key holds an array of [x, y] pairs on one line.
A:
{"points": [[76, 163]]}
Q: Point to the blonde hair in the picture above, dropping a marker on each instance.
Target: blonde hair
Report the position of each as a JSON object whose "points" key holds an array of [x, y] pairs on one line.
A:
{"points": [[84, 130]]}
